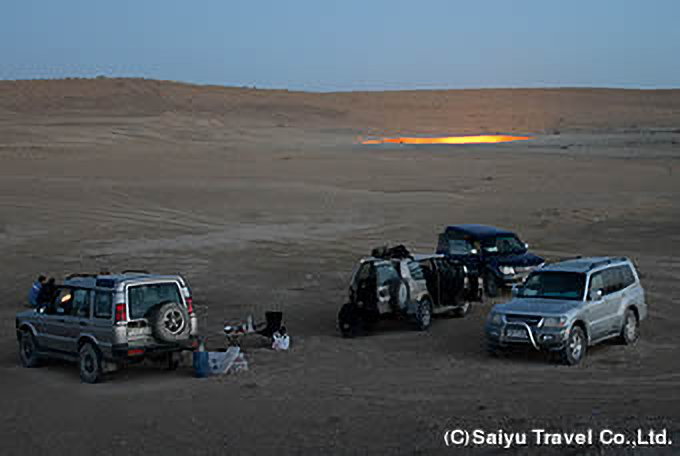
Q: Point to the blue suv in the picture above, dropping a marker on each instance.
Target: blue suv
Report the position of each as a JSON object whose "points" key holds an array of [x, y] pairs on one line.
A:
{"points": [[495, 255]]}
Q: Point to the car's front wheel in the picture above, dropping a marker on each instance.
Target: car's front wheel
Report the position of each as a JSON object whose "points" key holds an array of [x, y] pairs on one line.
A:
{"points": [[575, 348], [424, 315], [90, 364], [28, 350], [630, 331]]}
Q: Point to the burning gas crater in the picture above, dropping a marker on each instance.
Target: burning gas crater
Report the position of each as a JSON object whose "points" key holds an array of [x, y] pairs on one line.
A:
{"points": [[449, 140]]}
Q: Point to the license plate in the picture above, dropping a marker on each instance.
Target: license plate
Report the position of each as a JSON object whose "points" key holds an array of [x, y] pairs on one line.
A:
{"points": [[516, 333]]}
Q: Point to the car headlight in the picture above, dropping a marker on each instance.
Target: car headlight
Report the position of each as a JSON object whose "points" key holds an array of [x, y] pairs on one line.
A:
{"points": [[507, 270], [495, 318], [554, 322], [465, 269]]}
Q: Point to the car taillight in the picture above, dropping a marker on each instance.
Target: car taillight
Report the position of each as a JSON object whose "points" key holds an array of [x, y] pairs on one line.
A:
{"points": [[121, 312], [190, 304]]}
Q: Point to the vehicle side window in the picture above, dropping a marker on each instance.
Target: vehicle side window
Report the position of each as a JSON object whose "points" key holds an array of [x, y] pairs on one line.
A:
{"points": [[386, 274], [142, 298], [416, 271], [627, 275], [460, 247], [455, 244], [597, 282], [81, 303], [62, 304], [613, 280], [365, 272], [102, 304]]}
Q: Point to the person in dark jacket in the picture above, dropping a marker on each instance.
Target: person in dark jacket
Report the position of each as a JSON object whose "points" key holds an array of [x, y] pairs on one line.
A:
{"points": [[46, 293], [35, 291]]}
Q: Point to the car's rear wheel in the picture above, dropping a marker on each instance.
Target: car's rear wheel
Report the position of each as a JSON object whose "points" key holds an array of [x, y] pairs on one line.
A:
{"points": [[90, 363], [490, 285], [575, 348], [424, 314], [28, 350], [348, 320], [630, 331]]}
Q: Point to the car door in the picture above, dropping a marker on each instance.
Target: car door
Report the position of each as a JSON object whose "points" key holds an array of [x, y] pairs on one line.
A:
{"points": [[434, 279], [37, 320], [413, 274], [388, 287], [102, 316], [597, 306], [452, 283], [632, 294], [77, 320], [56, 326], [615, 280]]}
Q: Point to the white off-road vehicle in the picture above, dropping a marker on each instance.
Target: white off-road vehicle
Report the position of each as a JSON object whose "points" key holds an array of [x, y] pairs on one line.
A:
{"points": [[392, 283]]}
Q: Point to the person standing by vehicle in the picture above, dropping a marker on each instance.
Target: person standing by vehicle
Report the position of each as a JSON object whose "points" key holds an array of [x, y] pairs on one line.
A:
{"points": [[35, 291], [46, 293]]}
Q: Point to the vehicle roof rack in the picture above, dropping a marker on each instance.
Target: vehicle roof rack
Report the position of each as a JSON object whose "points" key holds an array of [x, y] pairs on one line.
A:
{"points": [[391, 253], [79, 274], [135, 271], [597, 264]]}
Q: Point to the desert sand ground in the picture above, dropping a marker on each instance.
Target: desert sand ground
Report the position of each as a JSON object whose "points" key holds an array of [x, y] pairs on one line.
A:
{"points": [[266, 199]]}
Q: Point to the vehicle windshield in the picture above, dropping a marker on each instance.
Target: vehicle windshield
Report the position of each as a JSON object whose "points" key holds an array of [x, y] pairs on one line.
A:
{"points": [[144, 297], [503, 245], [554, 285]]}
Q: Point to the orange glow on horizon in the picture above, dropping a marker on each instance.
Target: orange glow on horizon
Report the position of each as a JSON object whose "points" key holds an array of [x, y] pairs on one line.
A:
{"points": [[449, 140]]}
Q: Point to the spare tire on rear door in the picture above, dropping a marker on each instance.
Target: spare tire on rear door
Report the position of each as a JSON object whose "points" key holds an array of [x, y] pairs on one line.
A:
{"points": [[170, 322]]}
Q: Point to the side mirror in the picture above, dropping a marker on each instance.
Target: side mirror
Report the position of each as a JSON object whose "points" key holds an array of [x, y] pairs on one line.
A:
{"points": [[595, 295]]}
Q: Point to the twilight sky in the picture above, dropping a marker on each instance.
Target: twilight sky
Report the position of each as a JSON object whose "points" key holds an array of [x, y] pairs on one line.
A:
{"points": [[323, 45]]}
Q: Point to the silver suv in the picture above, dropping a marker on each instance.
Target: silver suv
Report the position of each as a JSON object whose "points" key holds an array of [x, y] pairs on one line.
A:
{"points": [[395, 283], [568, 306], [105, 321]]}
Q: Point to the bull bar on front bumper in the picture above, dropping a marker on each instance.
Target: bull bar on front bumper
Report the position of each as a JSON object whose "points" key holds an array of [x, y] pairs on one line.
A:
{"points": [[539, 337]]}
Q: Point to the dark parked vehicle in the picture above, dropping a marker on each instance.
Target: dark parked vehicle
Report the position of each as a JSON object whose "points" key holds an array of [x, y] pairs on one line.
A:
{"points": [[498, 257], [394, 283], [106, 321]]}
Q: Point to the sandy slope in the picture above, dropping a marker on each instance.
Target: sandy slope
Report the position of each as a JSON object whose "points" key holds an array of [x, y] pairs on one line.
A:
{"points": [[265, 200]]}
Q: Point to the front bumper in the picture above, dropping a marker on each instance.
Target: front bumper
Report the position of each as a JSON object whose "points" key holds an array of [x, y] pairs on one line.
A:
{"points": [[522, 334]]}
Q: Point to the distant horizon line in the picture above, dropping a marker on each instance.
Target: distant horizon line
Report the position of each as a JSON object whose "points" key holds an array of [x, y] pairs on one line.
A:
{"points": [[397, 87]]}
